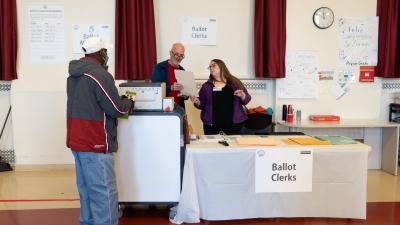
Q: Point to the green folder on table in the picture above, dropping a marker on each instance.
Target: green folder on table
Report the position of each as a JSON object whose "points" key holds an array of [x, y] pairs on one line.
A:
{"points": [[336, 139]]}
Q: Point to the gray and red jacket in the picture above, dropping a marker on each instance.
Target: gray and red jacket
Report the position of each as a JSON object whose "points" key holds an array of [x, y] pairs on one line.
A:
{"points": [[93, 107]]}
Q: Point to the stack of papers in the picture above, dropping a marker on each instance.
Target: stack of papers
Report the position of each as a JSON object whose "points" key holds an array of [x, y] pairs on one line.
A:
{"points": [[263, 141], [336, 139], [306, 141]]}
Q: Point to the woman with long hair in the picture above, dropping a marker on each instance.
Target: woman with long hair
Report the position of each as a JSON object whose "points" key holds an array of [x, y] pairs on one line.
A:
{"points": [[221, 101]]}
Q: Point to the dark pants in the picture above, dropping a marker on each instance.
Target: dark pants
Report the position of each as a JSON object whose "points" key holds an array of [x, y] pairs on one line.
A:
{"points": [[233, 129]]}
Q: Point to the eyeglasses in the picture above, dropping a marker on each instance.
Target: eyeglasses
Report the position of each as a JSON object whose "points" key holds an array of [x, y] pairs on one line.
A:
{"points": [[211, 66], [177, 55], [224, 141]]}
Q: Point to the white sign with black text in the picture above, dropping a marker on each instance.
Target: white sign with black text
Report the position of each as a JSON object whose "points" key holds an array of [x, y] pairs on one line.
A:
{"points": [[283, 170], [199, 30], [81, 32], [46, 34]]}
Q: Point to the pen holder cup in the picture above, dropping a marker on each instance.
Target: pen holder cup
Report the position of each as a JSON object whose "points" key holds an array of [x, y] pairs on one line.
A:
{"points": [[290, 118]]}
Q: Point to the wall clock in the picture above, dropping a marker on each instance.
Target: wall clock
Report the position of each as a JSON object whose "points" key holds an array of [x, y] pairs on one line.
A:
{"points": [[323, 17]]}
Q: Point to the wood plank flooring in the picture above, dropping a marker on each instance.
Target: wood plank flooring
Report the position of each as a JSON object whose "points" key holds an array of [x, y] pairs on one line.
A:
{"points": [[378, 213], [47, 197]]}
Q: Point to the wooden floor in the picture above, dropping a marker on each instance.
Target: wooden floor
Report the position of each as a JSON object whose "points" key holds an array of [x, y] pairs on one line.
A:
{"points": [[44, 197], [383, 213]]}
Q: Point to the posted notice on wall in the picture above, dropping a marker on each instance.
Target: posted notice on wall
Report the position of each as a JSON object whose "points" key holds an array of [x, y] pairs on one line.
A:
{"points": [[283, 170], [46, 33], [81, 32], [301, 79], [358, 41], [199, 30]]}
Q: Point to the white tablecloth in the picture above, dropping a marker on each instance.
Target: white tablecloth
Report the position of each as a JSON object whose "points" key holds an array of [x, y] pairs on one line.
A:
{"points": [[218, 184]]}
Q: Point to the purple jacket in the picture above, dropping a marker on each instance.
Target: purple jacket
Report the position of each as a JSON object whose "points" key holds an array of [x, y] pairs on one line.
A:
{"points": [[205, 96]]}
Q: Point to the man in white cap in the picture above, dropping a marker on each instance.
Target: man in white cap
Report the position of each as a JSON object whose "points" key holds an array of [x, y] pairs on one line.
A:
{"points": [[93, 107]]}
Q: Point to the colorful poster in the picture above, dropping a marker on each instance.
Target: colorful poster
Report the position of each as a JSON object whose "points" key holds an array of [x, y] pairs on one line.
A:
{"points": [[326, 74], [367, 73]]}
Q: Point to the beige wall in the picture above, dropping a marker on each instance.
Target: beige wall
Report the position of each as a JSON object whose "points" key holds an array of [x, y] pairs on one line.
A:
{"points": [[51, 77], [234, 33], [363, 99], [39, 98]]}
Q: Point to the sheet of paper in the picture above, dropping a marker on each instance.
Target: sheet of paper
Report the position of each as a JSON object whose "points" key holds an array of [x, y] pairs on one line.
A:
{"points": [[199, 30], [339, 90], [81, 32], [46, 34], [186, 78], [301, 80], [268, 141], [358, 41]]}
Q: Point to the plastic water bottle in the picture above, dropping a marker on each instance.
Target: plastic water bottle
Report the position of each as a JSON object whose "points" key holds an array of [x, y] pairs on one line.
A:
{"points": [[298, 116]]}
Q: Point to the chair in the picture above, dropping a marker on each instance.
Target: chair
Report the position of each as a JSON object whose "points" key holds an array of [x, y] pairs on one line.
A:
{"points": [[258, 122], [261, 124]]}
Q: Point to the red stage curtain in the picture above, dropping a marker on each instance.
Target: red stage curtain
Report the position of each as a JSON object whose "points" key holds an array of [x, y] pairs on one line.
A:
{"points": [[388, 39], [270, 38], [135, 39], [8, 39]]}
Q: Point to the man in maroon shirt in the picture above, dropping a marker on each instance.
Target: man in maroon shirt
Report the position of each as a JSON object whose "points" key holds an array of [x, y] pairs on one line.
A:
{"points": [[165, 72]]}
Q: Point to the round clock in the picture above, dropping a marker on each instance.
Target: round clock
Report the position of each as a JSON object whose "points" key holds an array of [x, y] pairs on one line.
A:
{"points": [[323, 17]]}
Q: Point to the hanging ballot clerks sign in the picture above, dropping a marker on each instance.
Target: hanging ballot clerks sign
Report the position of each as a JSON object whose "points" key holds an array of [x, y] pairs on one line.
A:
{"points": [[283, 170], [199, 31]]}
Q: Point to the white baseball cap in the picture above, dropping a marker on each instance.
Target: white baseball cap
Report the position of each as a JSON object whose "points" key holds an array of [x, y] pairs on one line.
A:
{"points": [[95, 44]]}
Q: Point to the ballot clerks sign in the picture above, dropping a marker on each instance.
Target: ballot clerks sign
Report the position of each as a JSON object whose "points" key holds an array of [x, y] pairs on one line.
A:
{"points": [[283, 170], [199, 30]]}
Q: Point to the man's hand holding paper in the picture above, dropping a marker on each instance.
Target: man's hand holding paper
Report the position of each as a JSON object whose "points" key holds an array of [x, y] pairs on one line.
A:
{"points": [[176, 87], [186, 79]]}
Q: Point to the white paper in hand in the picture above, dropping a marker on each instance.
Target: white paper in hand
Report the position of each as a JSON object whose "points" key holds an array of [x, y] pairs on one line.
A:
{"points": [[186, 78]]}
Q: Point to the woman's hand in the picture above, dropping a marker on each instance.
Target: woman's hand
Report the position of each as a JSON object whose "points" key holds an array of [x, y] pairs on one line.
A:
{"points": [[240, 93], [195, 100]]}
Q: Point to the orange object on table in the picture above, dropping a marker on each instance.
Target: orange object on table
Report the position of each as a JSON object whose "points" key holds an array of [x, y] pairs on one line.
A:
{"points": [[324, 118]]}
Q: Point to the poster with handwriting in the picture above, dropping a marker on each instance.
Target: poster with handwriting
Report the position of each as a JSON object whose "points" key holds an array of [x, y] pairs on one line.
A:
{"points": [[81, 32], [301, 75], [358, 41]]}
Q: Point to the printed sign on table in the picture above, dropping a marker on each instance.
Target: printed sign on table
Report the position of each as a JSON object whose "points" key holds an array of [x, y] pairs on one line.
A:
{"points": [[283, 170]]}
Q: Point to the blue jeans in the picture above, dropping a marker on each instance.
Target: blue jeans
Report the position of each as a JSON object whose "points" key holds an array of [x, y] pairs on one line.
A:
{"points": [[95, 179]]}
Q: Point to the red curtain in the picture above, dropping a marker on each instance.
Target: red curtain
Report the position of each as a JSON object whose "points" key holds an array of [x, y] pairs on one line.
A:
{"points": [[388, 39], [135, 39], [8, 39], [270, 38]]}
